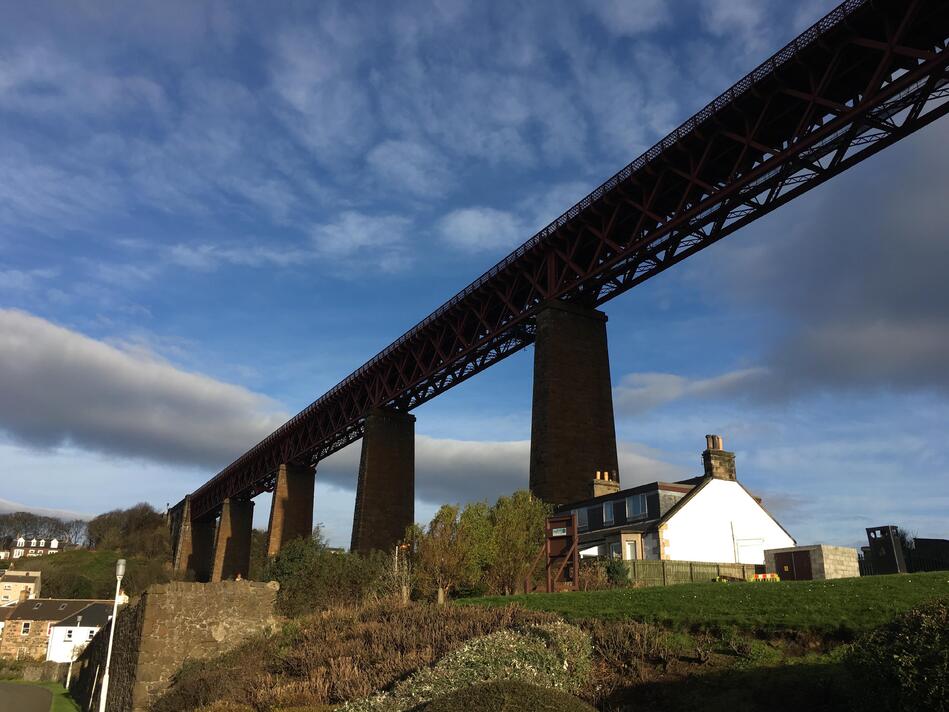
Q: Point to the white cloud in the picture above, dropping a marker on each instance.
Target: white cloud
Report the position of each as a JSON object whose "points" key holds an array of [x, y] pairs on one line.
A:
{"points": [[640, 392], [621, 18], [481, 229], [59, 387], [375, 239], [451, 470], [409, 166]]}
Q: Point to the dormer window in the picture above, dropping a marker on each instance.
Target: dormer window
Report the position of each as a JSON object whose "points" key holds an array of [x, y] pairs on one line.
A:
{"points": [[37, 606], [43, 543], [32, 542], [54, 543], [62, 606], [607, 513], [636, 507], [21, 542], [582, 520]]}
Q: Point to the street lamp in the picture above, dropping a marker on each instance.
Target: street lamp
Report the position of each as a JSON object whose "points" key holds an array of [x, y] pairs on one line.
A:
{"points": [[104, 690]]}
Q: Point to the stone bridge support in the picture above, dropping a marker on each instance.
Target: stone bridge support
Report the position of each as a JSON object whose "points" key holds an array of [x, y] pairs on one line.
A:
{"points": [[232, 544], [194, 549], [572, 431], [291, 513], [385, 493]]}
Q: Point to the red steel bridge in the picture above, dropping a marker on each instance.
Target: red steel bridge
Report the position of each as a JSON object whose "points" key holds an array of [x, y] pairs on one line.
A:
{"points": [[868, 74]]}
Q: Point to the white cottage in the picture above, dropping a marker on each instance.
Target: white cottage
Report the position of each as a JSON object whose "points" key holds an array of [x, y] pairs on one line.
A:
{"points": [[68, 637], [709, 518]]}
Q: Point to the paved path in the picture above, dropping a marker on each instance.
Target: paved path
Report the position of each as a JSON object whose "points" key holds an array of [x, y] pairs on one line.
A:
{"points": [[15, 697]]}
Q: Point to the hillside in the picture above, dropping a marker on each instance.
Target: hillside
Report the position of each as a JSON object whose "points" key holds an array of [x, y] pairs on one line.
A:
{"points": [[82, 573]]}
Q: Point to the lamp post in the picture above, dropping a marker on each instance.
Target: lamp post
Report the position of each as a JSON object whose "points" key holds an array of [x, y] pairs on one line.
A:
{"points": [[104, 690]]}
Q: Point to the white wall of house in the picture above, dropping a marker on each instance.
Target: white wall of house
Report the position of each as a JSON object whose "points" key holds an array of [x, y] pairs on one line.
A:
{"points": [[722, 523], [65, 643]]}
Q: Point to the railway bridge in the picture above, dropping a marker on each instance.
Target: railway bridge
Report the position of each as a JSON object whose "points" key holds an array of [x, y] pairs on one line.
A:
{"points": [[866, 75]]}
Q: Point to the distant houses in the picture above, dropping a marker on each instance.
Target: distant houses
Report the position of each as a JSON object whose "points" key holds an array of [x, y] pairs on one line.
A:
{"points": [[19, 585], [709, 518], [13, 548], [51, 628]]}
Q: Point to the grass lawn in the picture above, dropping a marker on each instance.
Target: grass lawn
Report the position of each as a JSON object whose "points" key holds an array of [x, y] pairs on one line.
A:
{"points": [[844, 606], [81, 573], [62, 702]]}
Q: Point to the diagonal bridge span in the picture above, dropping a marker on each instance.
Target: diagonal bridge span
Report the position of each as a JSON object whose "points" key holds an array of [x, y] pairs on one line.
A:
{"points": [[865, 76]]}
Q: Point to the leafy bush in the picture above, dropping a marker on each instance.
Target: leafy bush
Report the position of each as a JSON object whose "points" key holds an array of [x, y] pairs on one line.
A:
{"points": [[617, 572], [313, 577], [506, 695], [80, 573], [904, 665], [335, 656], [554, 655]]}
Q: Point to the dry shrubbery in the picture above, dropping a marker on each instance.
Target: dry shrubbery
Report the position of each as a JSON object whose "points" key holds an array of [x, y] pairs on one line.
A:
{"points": [[336, 656]]}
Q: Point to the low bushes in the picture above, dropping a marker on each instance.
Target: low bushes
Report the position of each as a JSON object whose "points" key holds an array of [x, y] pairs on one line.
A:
{"points": [[313, 577], [506, 696], [904, 665], [336, 656], [555, 656]]}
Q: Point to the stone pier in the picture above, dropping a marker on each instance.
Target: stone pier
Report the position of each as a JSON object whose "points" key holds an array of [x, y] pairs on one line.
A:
{"points": [[572, 432], [385, 493], [291, 513], [194, 550], [232, 545]]}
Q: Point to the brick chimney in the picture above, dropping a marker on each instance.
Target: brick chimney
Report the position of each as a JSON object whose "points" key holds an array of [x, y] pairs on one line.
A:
{"points": [[23, 595], [605, 482], [718, 462]]}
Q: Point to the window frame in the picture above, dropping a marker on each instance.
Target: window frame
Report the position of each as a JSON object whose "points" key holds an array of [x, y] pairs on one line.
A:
{"points": [[583, 519], [608, 507], [25, 628], [643, 501]]}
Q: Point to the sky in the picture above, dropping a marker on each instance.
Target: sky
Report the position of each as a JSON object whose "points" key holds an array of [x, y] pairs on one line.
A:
{"points": [[212, 212]]}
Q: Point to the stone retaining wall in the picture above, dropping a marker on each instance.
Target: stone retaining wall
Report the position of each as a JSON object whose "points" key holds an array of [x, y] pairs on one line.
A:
{"points": [[170, 624]]}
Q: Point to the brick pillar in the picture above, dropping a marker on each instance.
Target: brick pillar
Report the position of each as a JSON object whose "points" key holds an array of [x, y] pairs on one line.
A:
{"points": [[194, 549], [385, 494], [232, 546], [572, 431], [291, 513]]}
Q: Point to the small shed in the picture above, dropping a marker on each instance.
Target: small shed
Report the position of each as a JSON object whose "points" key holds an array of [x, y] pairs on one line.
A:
{"points": [[813, 562]]}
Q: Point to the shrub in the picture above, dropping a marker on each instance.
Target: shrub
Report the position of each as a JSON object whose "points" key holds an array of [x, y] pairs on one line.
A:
{"points": [[336, 656], [313, 577], [617, 572], [553, 655], [507, 695], [904, 665]]}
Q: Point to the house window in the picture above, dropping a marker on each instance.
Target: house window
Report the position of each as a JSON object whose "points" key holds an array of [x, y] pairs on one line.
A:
{"points": [[32, 542], [636, 506], [62, 606], [25, 629], [6, 587], [69, 634], [607, 513], [92, 634], [582, 521], [37, 606], [615, 551], [21, 542]]}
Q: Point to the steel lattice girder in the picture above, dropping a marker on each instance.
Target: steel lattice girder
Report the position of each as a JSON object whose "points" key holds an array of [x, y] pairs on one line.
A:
{"points": [[865, 76]]}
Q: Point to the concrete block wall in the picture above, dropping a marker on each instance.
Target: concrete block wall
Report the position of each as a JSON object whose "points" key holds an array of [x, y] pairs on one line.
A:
{"points": [[835, 562], [169, 624]]}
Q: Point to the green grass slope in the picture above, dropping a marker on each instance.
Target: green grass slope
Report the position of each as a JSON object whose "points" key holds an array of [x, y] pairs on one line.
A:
{"points": [[839, 606], [82, 573]]}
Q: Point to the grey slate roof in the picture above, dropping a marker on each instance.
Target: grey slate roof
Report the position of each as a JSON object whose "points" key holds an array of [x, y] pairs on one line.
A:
{"points": [[94, 615], [49, 609]]}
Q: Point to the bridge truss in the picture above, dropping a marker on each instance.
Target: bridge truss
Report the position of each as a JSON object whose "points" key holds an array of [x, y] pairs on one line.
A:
{"points": [[866, 75]]}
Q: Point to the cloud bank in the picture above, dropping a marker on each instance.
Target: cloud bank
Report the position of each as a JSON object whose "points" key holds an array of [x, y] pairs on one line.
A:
{"points": [[59, 387]]}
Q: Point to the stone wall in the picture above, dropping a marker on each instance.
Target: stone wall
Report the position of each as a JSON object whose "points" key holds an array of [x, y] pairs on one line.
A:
{"points": [[170, 624], [827, 562], [835, 562]]}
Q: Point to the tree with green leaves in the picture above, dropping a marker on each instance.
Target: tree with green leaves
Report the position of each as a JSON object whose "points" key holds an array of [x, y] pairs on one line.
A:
{"points": [[518, 524]]}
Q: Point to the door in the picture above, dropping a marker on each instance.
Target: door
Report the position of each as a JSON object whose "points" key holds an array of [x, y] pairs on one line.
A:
{"points": [[631, 551], [802, 566], [784, 563]]}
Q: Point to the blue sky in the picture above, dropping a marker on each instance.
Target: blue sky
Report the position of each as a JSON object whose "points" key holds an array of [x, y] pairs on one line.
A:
{"points": [[210, 213]]}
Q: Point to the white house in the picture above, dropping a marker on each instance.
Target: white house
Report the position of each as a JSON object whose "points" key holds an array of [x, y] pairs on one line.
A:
{"points": [[709, 518], [68, 637]]}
